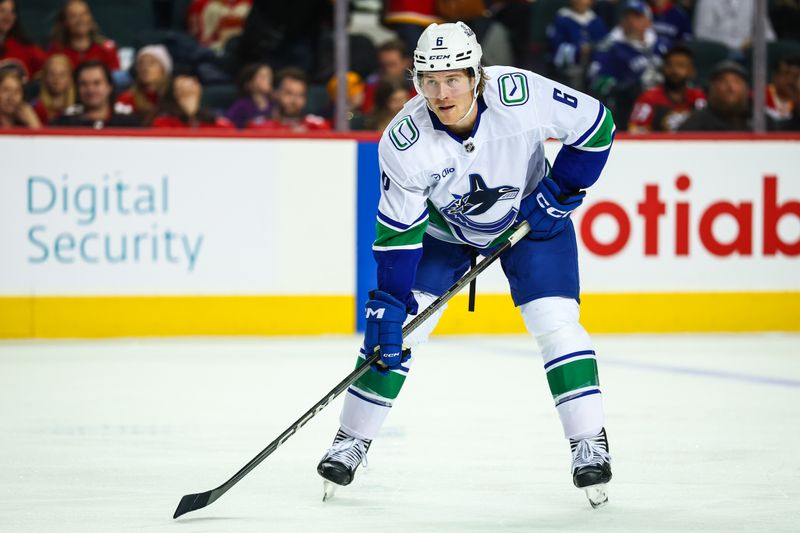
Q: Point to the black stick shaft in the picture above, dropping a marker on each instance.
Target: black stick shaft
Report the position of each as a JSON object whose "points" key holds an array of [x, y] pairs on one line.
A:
{"points": [[192, 502]]}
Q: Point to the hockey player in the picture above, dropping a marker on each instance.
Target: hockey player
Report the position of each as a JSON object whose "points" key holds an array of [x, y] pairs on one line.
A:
{"points": [[462, 164]]}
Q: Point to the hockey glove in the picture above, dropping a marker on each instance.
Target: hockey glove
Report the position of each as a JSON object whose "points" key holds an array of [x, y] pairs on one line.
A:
{"points": [[385, 317], [547, 209]]}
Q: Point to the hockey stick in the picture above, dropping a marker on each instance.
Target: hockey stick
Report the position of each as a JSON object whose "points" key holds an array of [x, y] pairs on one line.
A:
{"points": [[192, 502]]}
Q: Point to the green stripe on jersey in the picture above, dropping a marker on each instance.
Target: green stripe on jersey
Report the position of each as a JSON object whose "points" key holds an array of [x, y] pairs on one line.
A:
{"points": [[386, 386], [388, 237], [602, 137], [572, 376]]}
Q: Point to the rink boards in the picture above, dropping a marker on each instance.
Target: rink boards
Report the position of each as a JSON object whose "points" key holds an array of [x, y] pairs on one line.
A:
{"points": [[198, 235]]}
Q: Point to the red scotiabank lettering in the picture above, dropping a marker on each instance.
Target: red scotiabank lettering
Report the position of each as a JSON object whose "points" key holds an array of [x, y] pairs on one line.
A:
{"points": [[651, 208]]}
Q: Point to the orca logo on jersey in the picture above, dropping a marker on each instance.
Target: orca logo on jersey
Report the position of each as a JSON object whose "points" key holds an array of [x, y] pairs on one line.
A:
{"points": [[478, 201]]}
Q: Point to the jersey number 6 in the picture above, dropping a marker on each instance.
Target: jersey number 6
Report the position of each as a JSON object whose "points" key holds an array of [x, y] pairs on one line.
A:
{"points": [[565, 98]]}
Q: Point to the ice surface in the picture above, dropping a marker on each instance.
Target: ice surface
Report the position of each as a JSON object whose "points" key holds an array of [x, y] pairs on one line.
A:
{"points": [[108, 435]]}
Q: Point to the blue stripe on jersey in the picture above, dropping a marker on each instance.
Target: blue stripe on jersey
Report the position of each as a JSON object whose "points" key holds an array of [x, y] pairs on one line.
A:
{"points": [[576, 169], [590, 130], [581, 395], [568, 356], [396, 272], [399, 225]]}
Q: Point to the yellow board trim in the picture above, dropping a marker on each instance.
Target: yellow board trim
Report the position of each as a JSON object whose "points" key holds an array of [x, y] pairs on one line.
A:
{"points": [[641, 313], [133, 316]]}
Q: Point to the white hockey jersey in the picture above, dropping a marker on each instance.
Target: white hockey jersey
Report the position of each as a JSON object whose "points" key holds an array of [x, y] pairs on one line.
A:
{"points": [[469, 191]]}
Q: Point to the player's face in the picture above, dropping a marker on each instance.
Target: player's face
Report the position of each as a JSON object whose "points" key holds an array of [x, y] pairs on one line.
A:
{"points": [[93, 89], [449, 94], [291, 98]]}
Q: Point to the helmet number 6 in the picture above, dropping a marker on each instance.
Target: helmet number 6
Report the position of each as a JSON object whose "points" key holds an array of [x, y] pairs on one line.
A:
{"points": [[440, 41]]}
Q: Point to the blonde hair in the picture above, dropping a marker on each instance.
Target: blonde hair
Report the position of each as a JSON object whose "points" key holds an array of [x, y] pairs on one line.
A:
{"points": [[44, 94]]}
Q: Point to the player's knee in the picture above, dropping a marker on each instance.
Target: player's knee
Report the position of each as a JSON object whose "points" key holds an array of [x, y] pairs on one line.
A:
{"points": [[546, 316], [421, 334]]}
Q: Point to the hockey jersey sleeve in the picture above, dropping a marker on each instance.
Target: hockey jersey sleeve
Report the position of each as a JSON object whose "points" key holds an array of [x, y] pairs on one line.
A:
{"points": [[584, 126], [402, 220]]}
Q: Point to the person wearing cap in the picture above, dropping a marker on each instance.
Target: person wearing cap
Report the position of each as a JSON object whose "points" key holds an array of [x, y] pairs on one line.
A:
{"points": [[628, 61], [152, 70], [462, 169], [728, 106]]}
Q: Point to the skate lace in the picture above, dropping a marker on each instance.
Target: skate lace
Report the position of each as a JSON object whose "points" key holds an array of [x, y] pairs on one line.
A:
{"points": [[588, 453], [350, 452]]}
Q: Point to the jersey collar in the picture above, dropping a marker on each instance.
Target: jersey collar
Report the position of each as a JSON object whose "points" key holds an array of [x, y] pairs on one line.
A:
{"points": [[437, 124]]}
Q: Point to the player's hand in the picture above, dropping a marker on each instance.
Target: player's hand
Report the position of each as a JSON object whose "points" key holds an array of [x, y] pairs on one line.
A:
{"points": [[547, 209], [385, 316]]}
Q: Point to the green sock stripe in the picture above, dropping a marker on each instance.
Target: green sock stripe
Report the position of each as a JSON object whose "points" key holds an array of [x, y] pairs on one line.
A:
{"points": [[573, 376], [386, 386]]}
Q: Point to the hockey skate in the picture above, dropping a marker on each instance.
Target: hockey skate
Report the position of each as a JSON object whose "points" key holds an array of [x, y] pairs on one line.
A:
{"points": [[591, 467], [338, 465]]}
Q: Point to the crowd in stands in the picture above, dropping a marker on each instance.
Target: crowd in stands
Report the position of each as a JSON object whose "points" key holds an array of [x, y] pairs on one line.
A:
{"points": [[659, 65]]}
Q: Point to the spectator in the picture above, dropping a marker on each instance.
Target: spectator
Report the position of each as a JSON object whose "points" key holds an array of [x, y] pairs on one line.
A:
{"points": [[666, 106], [15, 46], [728, 106], [781, 92], [793, 123], [77, 36], [181, 107], [94, 109], [355, 98], [393, 61], [627, 61], [291, 87], [390, 96], [729, 22], [671, 21], [255, 89], [15, 112], [153, 69], [409, 18], [213, 22], [57, 91], [573, 34]]}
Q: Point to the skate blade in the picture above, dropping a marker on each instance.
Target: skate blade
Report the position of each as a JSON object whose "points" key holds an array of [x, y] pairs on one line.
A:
{"points": [[329, 489], [597, 495]]}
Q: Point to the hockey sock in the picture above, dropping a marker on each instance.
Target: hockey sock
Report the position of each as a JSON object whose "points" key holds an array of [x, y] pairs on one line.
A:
{"points": [[570, 364]]}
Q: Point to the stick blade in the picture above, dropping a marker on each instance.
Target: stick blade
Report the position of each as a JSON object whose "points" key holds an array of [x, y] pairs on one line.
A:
{"points": [[192, 502]]}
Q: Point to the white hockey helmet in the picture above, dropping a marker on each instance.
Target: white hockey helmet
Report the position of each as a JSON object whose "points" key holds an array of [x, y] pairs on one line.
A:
{"points": [[448, 46]]}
